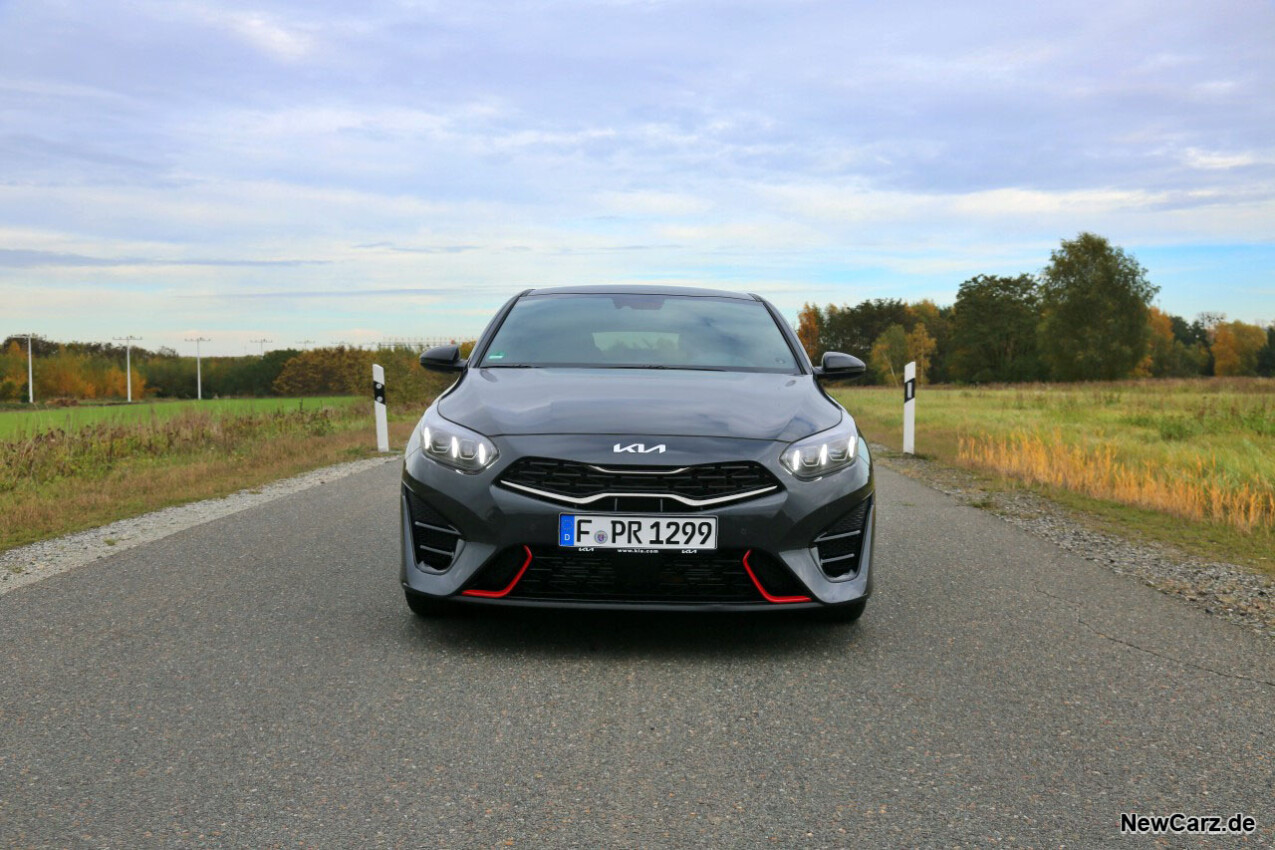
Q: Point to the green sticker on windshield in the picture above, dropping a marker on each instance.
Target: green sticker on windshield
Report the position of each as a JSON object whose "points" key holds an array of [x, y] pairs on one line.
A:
{"points": [[497, 356]]}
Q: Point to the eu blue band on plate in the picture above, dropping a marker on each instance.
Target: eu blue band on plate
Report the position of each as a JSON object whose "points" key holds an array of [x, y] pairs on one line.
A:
{"points": [[566, 530]]}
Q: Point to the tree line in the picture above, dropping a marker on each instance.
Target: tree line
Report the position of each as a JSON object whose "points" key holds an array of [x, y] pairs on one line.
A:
{"points": [[1086, 316], [88, 371]]}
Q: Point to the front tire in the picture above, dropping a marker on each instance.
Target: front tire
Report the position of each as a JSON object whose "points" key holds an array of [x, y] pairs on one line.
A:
{"points": [[428, 606]]}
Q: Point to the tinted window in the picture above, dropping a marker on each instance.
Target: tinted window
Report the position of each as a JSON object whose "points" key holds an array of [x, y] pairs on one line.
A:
{"points": [[641, 331]]}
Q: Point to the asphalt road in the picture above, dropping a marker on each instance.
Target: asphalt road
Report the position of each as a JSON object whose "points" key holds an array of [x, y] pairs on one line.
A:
{"points": [[258, 682]]}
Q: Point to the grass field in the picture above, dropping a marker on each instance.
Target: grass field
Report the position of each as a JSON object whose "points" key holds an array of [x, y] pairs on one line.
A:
{"points": [[1191, 462], [24, 420], [115, 462]]}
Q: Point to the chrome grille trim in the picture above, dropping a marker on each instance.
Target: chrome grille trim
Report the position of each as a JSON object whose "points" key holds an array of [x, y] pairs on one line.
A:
{"points": [[588, 500]]}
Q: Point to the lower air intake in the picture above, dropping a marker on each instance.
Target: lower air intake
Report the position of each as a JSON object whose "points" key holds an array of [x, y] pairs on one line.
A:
{"points": [[563, 575], [840, 546], [434, 538]]}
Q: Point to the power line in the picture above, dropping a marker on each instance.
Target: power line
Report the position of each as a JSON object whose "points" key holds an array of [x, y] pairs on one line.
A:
{"points": [[263, 344]]}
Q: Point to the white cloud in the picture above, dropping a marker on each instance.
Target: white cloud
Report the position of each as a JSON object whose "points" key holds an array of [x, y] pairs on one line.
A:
{"points": [[270, 36], [1214, 160], [653, 203]]}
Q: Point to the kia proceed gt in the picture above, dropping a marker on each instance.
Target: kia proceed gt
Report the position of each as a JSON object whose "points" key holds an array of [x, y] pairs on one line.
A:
{"points": [[638, 448]]}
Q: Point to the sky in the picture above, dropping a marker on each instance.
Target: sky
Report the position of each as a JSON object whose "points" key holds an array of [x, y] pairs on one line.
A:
{"points": [[340, 172]]}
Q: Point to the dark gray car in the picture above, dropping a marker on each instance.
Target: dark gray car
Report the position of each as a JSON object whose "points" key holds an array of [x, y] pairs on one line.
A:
{"points": [[638, 447]]}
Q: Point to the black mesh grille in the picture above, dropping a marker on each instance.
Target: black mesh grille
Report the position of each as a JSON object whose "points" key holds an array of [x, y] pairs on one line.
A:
{"points": [[774, 576], [582, 480], [666, 577], [434, 537], [840, 545], [500, 571]]}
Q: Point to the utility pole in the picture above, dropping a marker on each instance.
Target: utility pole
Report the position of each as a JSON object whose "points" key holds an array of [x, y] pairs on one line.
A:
{"points": [[304, 343], [199, 377], [30, 370], [128, 361], [263, 344]]}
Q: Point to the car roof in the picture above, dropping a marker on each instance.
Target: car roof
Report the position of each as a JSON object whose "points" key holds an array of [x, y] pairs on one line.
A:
{"points": [[641, 289]]}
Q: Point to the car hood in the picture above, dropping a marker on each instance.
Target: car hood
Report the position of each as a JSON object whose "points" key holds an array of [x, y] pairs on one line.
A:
{"points": [[640, 402]]}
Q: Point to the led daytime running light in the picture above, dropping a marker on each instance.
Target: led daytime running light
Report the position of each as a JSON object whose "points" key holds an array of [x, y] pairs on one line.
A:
{"points": [[456, 446]]}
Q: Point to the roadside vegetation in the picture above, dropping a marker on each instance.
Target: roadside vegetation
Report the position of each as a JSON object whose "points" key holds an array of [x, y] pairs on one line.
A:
{"points": [[59, 480], [27, 419], [1190, 462], [80, 462]]}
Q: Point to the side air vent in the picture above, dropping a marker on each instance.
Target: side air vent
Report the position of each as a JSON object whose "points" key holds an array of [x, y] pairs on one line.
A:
{"points": [[436, 540], [838, 548]]}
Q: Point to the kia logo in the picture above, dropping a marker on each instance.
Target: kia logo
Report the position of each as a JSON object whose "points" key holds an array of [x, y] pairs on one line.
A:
{"points": [[638, 449]]}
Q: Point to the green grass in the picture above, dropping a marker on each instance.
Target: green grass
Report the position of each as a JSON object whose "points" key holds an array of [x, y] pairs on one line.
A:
{"points": [[23, 421], [1188, 462], [58, 481]]}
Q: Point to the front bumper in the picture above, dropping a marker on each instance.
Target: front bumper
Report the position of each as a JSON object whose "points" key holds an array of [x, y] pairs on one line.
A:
{"points": [[780, 528]]}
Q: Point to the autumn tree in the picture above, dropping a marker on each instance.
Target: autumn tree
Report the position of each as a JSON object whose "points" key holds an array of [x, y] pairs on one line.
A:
{"points": [[809, 330], [921, 348], [938, 323], [13, 371], [895, 348], [1094, 304], [40, 346], [889, 355], [325, 371], [1168, 356], [348, 371], [1236, 347]]}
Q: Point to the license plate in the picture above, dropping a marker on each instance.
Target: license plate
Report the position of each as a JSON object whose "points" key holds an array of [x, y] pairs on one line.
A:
{"points": [[614, 531]]}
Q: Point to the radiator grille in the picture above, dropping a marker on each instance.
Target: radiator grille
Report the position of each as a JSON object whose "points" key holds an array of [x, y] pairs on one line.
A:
{"points": [[675, 488]]}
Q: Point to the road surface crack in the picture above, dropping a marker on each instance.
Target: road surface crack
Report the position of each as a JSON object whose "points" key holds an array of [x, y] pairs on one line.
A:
{"points": [[1183, 662]]}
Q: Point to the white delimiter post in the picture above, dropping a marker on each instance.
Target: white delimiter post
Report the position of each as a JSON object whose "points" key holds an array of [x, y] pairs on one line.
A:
{"points": [[30, 374], [909, 409], [378, 396]]}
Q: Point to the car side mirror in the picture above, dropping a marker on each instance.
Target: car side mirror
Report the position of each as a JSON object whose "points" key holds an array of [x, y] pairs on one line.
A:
{"points": [[836, 365], [443, 358]]}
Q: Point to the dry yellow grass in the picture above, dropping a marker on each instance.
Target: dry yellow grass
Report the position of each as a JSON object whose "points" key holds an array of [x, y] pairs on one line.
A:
{"points": [[1187, 462], [1198, 493]]}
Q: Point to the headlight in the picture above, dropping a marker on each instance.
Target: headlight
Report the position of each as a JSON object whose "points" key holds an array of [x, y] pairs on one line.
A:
{"points": [[824, 453], [454, 445]]}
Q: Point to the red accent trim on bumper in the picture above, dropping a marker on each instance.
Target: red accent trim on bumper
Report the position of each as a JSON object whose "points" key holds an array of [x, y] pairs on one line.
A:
{"points": [[497, 594], [778, 600]]}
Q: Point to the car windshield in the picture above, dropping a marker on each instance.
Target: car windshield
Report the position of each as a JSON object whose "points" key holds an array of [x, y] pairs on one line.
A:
{"points": [[641, 331]]}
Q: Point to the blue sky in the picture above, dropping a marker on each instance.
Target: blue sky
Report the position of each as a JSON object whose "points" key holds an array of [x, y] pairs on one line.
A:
{"points": [[334, 171]]}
